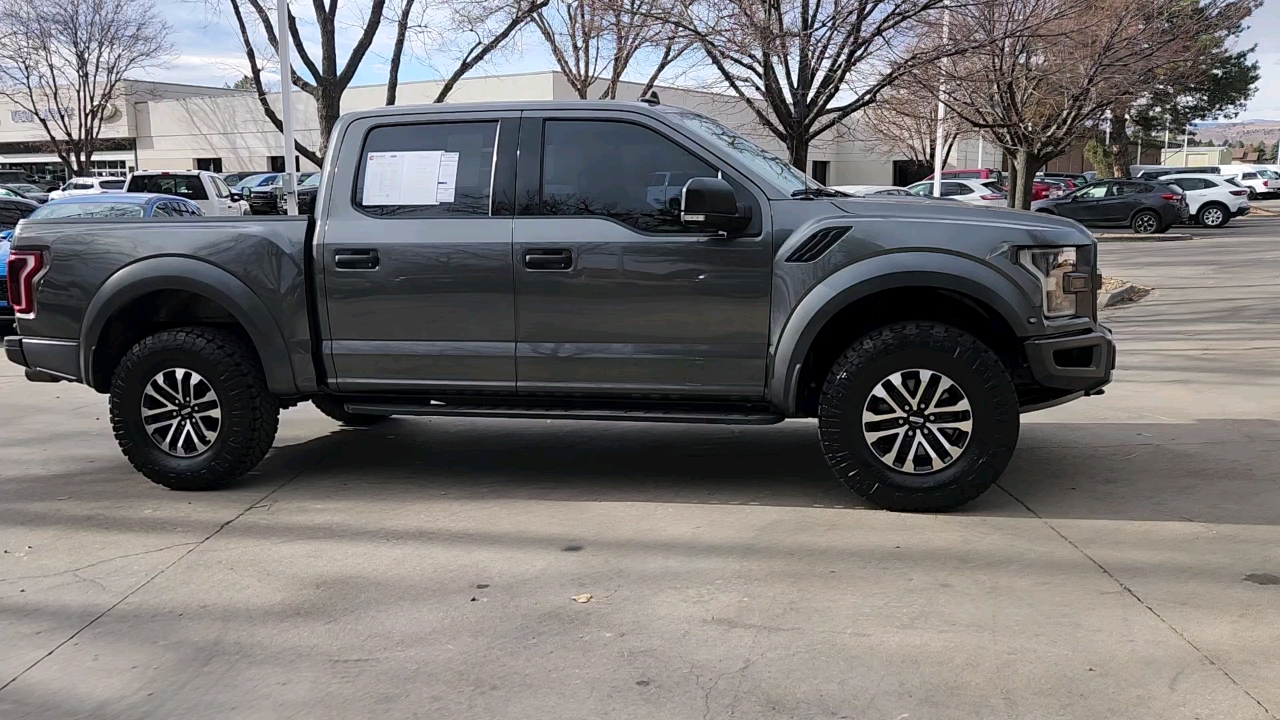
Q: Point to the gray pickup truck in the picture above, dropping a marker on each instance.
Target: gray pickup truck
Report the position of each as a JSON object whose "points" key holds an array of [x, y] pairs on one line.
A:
{"points": [[583, 261]]}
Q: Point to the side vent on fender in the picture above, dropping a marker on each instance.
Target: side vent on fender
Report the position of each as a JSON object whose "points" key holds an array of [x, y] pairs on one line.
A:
{"points": [[817, 245]]}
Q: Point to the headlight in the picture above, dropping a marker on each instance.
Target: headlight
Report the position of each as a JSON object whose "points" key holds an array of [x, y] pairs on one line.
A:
{"points": [[1051, 266]]}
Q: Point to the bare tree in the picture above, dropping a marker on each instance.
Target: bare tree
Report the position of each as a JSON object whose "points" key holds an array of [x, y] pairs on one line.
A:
{"points": [[905, 119], [803, 67], [65, 64], [596, 41], [1061, 65], [327, 81], [466, 31]]}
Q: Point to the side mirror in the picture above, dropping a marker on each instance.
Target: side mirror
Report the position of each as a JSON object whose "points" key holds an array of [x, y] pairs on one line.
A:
{"points": [[711, 203], [236, 197]]}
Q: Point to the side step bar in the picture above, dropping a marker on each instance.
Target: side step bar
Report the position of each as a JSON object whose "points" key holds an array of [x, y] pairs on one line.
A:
{"points": [[712, 417]]}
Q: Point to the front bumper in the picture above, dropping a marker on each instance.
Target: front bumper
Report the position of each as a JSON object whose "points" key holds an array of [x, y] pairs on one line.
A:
{"points": [[1073, 362]]}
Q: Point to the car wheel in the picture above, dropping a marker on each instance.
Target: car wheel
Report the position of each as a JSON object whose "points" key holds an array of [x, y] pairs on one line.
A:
{"points": [[918, 416], [191, 410], [337, 411], [1212, 216], [1147, 222], [1253, 194]]}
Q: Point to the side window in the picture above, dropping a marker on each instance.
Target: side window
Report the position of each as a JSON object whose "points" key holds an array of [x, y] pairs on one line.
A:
{"points": [[955, 189], [193, 210], [161, 209], [219, 187], [616, 170], [427, 170], [922, 189], [962, 176], [1091, 192]]}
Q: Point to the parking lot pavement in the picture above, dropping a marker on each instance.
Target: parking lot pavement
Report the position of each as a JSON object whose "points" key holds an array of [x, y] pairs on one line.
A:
{"points": [[425, 568]]}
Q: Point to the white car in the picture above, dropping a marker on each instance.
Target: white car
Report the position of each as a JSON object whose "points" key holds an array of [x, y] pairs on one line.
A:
{"points": [[1259, 182], [88, 186], [204, 188], [974, 192], [870, 190], [1212, 199]]}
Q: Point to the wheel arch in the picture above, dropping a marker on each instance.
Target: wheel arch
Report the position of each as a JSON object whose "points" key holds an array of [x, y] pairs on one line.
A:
{"points": [[909, 286], [165, 292]]}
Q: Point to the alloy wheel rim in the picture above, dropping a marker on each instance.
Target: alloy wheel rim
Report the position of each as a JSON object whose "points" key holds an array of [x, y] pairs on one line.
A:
{"points": [[1212, 216], [181, 412], [917, 421], [1146, 223]]}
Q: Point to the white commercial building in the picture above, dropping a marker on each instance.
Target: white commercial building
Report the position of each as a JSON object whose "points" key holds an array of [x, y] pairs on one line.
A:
{"points": [[163, 126]]}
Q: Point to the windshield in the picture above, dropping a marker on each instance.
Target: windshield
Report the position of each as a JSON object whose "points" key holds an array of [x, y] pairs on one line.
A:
{"points": [[1267, 174], [87, 210], [742, 149], [311, 181]]}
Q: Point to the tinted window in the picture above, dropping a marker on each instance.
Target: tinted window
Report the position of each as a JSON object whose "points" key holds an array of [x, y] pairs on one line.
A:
{"points": [[617, 170], [87, 210], [1189, 184], [111, 184], [473, 144], [993, 186], [1249, 176], [161, 209], [1233, 181], [185, 186], [961, 176], [955, 189], [191, 210]]}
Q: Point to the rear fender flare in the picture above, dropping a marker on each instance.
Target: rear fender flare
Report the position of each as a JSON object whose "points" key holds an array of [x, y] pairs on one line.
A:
{"points": [[201, 278]]}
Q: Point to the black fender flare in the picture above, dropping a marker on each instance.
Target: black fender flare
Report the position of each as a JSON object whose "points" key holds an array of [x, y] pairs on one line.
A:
{"points": [[886, 272], [199, 277]]}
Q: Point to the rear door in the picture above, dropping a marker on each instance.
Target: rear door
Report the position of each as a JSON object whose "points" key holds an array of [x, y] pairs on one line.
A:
{"points": [[416, 254], [614, 295]]}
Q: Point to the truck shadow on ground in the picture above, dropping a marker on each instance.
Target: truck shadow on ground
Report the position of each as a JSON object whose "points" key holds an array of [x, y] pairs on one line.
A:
{"points": [[1207, 471]]}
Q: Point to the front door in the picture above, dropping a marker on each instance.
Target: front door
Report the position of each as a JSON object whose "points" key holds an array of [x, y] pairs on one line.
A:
{"points": [[417, 255], [614, 295], [1085, 205]]}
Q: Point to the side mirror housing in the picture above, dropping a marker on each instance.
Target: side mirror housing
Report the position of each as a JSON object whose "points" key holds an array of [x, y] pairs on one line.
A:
{"points": [[711, 203], [236, 197]]}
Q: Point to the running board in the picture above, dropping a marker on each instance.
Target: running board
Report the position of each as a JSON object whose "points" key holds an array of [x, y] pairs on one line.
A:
{"points": [[711, 417]]}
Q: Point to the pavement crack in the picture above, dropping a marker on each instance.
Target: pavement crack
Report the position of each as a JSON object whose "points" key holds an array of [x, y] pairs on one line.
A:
{"points": [[99, 562], [192, 548], [1140, 601]]}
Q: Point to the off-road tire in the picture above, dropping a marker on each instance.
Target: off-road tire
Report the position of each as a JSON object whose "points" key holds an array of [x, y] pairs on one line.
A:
{"points": [[1210, 219], [335, 410], [250, 413], [977, 371]]}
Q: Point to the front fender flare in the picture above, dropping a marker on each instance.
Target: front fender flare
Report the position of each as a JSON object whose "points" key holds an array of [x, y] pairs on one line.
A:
{"points": [[886, 272], [199, 277]]}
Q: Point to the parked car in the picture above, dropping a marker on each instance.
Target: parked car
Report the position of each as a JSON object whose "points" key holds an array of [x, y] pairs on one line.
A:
{"points": [[117, 205], [1058, 186], [14, 209], [870, 190], [971, 174], [233, 179], [1075, 178], [268, 198], [1211, 199], [88, 186], [1147, 207], [544, 284], [8, 177], [28, 191], [1257, 182], [247, 184], [974, 192], [1157, 172], [201, 187], [307, 192]]}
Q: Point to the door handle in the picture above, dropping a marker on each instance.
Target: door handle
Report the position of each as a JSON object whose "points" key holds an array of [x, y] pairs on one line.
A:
{"points": [[548, 259], [355, 259]]}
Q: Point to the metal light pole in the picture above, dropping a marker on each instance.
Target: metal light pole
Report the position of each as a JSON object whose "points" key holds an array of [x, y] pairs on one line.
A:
{"points": [[287, 185], [980, 165], [942, 109]]}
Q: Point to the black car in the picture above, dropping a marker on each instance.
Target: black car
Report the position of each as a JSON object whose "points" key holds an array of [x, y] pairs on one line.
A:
{"points": [[268, 199], [1147, 207], [307, 194], [14, 209], [25, 190]]}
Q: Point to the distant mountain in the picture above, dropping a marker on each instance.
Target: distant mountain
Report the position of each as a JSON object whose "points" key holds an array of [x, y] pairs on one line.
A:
{"points": [[1248, 131]]}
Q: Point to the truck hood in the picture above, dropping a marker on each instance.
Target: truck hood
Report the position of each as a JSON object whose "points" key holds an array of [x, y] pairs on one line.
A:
{"points": [[1038, 228]]}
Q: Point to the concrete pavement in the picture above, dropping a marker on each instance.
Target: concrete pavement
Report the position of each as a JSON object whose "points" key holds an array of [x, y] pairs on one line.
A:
{"points": [[425, 568]]}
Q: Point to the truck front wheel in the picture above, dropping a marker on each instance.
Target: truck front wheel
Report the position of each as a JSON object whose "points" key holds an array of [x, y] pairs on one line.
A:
{"points": [[918, 416], [191, 410]]}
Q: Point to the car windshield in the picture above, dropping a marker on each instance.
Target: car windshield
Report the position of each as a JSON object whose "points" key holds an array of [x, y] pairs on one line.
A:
{"points": [[1233, 181], [23, 187], [87, 210], [749, 153], [1269, 175], [993, 186], [311, 181]]}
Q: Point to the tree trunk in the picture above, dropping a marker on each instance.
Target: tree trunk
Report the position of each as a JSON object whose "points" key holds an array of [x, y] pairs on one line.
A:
{"points": [[1120, 158], [1024, 172], [397, 51], [798, 149], [328, 110]]}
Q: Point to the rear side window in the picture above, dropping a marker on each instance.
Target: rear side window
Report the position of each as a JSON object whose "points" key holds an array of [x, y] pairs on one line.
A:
{"points": [[427, 170], [962, 176], [617, 170], [955, 189], [111, 184], [184, 186], [1249, 176]]}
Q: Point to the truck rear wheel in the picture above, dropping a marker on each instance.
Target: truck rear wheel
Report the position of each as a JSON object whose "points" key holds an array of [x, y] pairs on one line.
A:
{"points": [[191, 410], [918, 416], [337, 411]]}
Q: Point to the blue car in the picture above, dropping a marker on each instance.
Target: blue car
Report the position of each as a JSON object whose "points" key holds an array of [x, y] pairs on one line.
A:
{"points": [[113, 205]]}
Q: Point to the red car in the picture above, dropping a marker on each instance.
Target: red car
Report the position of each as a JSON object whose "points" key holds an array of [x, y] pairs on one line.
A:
{"points": [[1039, 190]]}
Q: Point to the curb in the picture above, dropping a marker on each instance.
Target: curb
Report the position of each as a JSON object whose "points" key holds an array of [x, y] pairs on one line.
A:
{"points": [[1134, 237], [1120, 294]]}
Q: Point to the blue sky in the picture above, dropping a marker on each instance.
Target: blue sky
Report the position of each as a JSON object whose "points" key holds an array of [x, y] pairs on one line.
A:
{"points": [[210, 52]]}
